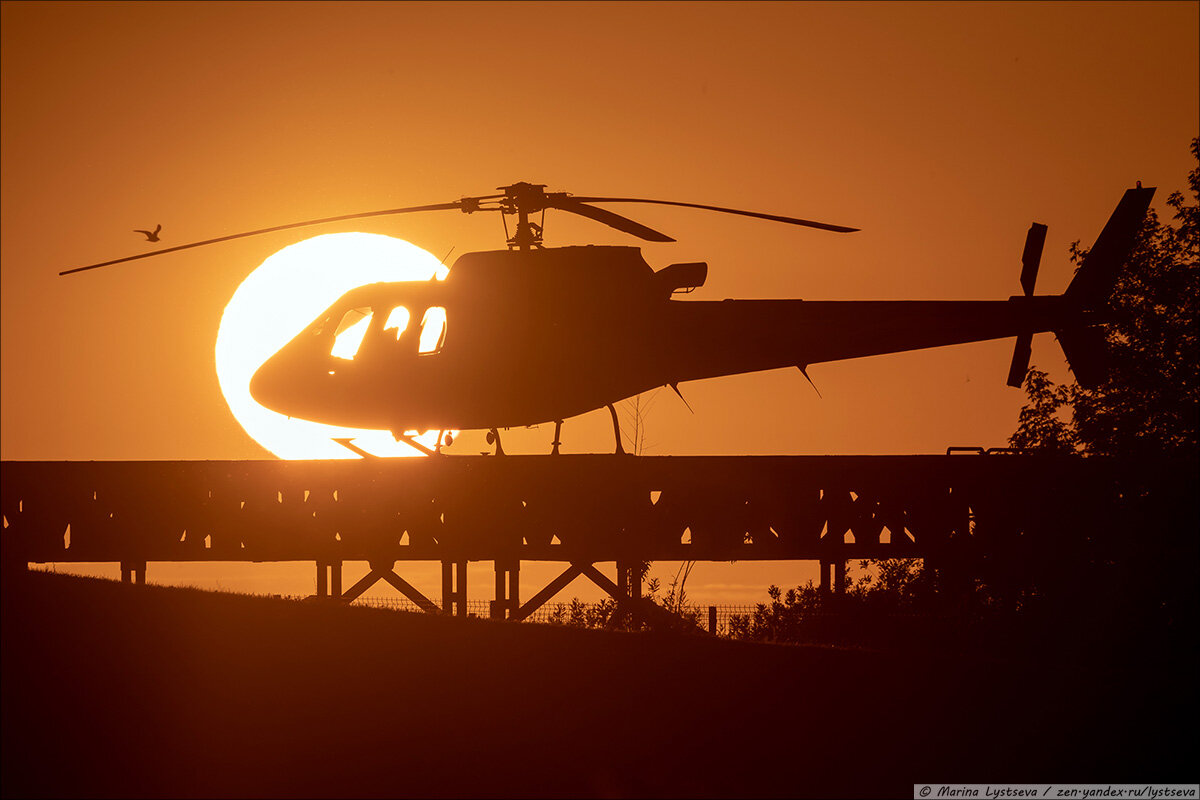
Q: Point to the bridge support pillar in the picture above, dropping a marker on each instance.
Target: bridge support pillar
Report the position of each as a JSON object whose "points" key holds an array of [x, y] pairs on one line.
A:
{"points": [[833, 576], [329, 579], [629, 579], [133, 572], [508, 589], [629, 586], [454, 588]]}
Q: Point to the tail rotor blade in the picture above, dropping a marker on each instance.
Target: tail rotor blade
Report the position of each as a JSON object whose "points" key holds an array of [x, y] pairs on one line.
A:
{"points": [[808, 223], [1031, 258], [343, 217], [1020, 360], [576, 206]]}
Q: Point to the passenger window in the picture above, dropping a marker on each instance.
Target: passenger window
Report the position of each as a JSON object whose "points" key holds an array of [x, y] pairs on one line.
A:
{"points": [[398, 320], [433, 330], [350, 332]]}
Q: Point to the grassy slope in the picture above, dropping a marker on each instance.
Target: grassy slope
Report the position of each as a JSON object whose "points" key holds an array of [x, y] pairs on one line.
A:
{"points": [[120, 690]]}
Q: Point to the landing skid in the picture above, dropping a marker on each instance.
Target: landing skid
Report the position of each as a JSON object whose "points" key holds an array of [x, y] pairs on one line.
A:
{"points": [[412, 442], [353, 448], [493, 438]]}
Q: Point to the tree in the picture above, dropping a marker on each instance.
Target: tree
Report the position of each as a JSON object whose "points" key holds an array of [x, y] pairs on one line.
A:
{"points": [[1144, 416], [1150, 402], [897, 606], [1041, 424]]}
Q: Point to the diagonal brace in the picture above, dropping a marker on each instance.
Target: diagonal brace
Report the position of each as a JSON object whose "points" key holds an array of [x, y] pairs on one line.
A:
{"points": [[600, 579], [405, 588], [554, 587], [409, 591], [364, 583]]}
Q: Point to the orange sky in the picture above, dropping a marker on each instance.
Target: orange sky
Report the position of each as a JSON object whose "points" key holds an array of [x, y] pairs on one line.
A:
{"points": [[941, 129]]}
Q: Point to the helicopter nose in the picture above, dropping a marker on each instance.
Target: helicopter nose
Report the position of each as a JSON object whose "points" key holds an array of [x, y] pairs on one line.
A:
{"points": [[271, 386]]}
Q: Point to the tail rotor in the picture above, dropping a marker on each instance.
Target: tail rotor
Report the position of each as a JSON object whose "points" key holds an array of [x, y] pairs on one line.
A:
{"points": [[1031, 259]]}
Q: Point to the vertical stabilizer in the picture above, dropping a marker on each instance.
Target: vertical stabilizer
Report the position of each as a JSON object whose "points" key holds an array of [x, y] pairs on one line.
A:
{"points": [[1093, 282], [1084, 345]]}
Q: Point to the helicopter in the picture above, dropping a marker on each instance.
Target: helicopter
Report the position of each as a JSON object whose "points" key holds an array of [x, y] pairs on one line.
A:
{"points": [[533, 334]]}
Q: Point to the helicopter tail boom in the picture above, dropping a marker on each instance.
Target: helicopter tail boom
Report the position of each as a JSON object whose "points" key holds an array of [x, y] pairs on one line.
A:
{"points": [[723, 338], [709, 339]]}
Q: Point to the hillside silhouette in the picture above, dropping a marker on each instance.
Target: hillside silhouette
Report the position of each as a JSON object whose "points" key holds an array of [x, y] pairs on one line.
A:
{"points": [[138, 691]]}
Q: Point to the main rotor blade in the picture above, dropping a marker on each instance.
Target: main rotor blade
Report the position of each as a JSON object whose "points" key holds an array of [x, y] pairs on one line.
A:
{"points": [[436, 207], [808, 223], [575, 206]]}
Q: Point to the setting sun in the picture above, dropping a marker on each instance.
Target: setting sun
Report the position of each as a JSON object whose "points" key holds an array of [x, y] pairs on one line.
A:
{"points": [[277, 301]]}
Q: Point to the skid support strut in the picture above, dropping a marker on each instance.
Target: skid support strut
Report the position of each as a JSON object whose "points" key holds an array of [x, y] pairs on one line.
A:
{"points": [[616, 429]]}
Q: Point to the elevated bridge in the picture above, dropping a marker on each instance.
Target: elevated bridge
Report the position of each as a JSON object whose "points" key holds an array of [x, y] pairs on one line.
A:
{"points": [[956, 510]]}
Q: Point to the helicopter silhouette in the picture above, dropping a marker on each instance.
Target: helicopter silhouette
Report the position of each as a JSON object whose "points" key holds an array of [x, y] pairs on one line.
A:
{"points": [[533, 334]]}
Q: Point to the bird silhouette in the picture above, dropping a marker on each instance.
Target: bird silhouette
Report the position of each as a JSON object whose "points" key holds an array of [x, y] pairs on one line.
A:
{"points": [[151, 236]]}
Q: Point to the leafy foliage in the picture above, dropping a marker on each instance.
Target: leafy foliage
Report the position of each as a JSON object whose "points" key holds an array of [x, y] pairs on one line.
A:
{"points": [[1043, 423], [674, 612], [584, 615], [899, 605]]}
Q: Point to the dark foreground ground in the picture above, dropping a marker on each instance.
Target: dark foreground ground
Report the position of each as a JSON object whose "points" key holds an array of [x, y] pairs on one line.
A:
{"points": [[117, 690]]}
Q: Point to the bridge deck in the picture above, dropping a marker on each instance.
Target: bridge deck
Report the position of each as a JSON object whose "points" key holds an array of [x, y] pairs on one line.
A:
{"points": [[561, 508]]}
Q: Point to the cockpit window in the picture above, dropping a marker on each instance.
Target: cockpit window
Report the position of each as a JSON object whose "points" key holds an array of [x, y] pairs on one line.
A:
{"points": [[397, 320], [433, 330], [350, 332]]}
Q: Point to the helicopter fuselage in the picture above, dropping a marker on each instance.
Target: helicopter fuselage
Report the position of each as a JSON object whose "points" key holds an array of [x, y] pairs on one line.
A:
{"points": [[513, 338]]}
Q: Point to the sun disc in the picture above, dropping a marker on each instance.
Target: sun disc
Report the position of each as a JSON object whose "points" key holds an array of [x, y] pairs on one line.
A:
{"points": [[282, 296]]}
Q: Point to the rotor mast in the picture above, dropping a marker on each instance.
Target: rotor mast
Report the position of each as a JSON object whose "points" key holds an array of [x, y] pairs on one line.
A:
{"points": [[522, 199]]}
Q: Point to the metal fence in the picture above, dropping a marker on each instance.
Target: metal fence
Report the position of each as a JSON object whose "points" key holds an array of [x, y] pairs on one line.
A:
{"points": [[714, 618]]}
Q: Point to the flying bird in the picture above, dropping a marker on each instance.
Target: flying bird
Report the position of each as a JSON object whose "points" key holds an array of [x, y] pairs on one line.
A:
{"points": [[151, 236]]}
